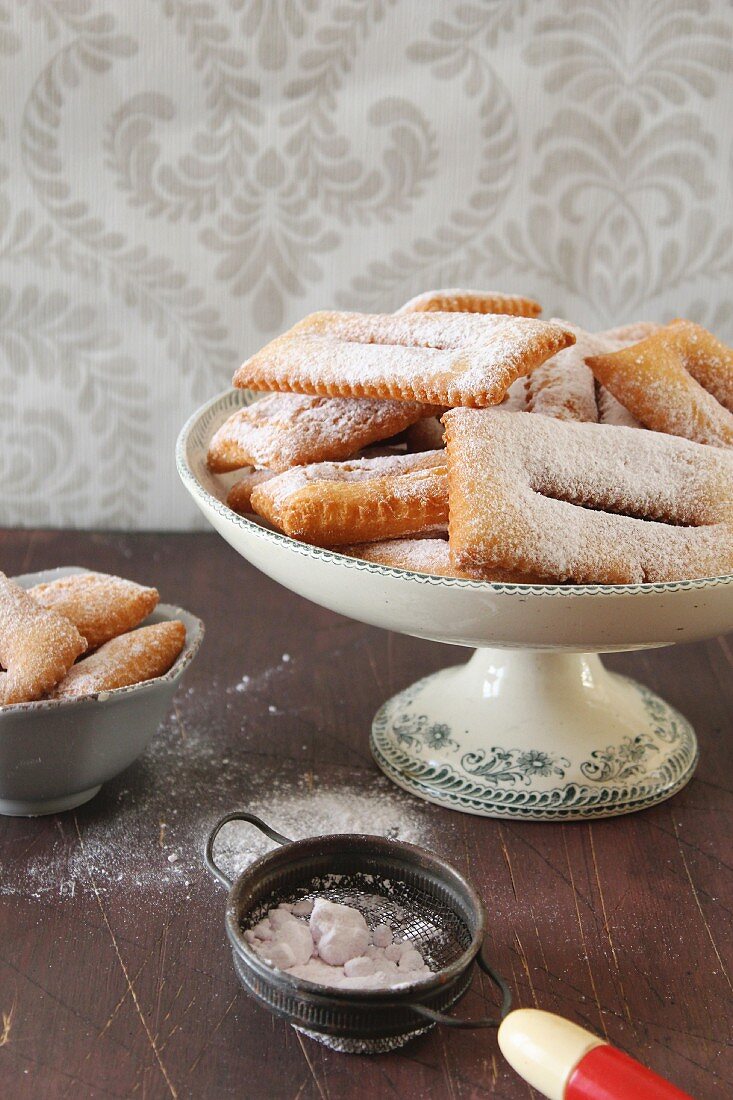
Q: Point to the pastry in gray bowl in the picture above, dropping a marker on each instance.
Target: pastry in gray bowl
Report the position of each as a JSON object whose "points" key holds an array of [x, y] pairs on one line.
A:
{"points": [[56, 753]]}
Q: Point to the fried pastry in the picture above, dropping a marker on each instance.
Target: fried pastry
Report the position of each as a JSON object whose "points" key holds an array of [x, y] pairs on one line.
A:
{"points": [[585, 502], [37, 645], [515, 398], [425, 556], [99, 605], [239, 497], [631, 333], [709, 361], [471, 301], [662, 381], [418, 555], [565, 388], [333, 503], [436, 358], [290, 429], [131, 658], [611, 411]]}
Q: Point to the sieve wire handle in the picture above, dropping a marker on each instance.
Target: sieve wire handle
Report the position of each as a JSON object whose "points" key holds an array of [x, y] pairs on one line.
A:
{"points": [[237, 815], [483, 1021]]}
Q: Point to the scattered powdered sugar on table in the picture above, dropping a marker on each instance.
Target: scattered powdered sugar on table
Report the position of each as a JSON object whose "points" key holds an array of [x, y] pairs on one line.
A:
{"points": [[379, 809], [146, 832]]}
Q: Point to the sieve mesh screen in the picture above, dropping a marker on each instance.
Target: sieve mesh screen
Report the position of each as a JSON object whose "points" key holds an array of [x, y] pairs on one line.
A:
{"points": [[413, 914]]}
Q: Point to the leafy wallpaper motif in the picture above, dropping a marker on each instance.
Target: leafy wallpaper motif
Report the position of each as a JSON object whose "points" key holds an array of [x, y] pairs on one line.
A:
{"points": [[179, 181]]}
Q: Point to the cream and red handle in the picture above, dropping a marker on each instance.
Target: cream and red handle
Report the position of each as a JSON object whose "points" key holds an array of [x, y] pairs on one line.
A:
{"points": [[565, 1062]]}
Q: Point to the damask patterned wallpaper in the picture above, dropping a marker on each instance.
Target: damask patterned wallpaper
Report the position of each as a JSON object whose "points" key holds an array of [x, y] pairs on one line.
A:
{"points": [[180, 179]]}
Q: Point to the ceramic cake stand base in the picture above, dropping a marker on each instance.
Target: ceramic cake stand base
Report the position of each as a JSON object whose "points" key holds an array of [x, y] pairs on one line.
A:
{"points": [[536, 735]]}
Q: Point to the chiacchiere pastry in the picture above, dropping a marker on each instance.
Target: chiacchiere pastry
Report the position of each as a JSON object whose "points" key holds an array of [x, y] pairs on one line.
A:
{"points": [[291, 429], [630, 333], [471, 301], [585, 502], [425, 555], [436, 358], [611, 411], [564, 386], [332, 503], [37, 645], [99, 605], [131, 658], [418, 555], [239, 497], [678, 380]]}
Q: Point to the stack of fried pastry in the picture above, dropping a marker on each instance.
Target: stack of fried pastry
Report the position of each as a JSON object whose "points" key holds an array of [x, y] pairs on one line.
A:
{"points": [[463, 436], [77, 636]]}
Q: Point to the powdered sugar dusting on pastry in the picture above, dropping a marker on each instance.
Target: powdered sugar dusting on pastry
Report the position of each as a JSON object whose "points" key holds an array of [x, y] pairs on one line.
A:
{"points": [[454, 300], [590, 503], [332, 503], [129, 659], [437, 358], [288, 429], [515, 398], [418, 555], [359, 469], [654, 379], [100, 605], [709, 361], [429, 555], [37, 645], [563, 387], [630, 333], [611, 411]]}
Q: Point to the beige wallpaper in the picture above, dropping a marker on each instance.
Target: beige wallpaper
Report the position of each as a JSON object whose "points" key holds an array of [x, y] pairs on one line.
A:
{"points": [[180, 179]]}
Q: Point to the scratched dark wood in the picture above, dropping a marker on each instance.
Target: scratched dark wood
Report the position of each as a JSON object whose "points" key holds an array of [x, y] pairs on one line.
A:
{"points": [[624, 926]]}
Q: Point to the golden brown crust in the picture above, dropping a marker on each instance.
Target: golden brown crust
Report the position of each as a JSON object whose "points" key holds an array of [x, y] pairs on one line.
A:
{"points": [[453, 300], [659, 381], [333, 503], [99, 605], [128, 659], [239, 497], [709, 361], [585, 502], [436, 358], [288, 429], [37, 645]]}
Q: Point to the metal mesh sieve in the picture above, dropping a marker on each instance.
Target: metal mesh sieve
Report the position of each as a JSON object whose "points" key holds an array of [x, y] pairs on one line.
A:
{"points": [[422, 898]]}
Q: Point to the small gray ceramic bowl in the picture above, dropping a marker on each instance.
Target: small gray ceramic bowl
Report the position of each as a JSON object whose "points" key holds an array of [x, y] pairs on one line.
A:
{"points": [[56, 753]]}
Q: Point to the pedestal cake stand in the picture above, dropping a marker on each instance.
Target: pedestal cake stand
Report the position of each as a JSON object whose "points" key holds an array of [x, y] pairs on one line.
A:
{"points": [[533, 726]]}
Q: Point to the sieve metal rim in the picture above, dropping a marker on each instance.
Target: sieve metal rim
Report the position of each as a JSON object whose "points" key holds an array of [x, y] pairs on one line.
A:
{"points": [[283, 855]]}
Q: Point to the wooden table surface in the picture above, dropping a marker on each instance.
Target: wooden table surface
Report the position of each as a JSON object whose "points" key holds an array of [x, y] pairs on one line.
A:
{"points": [[115, 975]]}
